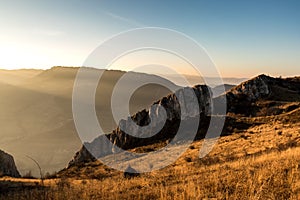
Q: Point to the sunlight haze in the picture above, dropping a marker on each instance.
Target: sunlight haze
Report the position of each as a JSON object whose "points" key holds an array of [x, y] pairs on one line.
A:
{"points": [[42, 34]]}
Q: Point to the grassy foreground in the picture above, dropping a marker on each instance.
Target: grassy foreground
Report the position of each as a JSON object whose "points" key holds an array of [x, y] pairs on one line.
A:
{"points": [[262, 162], [275, 175]]}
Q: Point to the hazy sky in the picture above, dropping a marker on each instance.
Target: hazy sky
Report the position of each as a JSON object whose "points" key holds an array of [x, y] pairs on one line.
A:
{"points": [[244, 38]]}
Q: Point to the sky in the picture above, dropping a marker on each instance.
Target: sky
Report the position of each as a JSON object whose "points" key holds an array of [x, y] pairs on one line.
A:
{"points": [[243, 38]]}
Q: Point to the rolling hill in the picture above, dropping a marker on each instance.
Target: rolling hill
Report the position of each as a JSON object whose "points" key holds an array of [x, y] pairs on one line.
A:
{"points": [[36, 112]]}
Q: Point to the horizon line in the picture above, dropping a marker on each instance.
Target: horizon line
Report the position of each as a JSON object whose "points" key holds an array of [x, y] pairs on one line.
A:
{"points": [[122, 70]]}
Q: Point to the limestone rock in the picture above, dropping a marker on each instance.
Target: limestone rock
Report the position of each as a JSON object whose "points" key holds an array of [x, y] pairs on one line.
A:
{"points": [[254, 89], [158, 123]]}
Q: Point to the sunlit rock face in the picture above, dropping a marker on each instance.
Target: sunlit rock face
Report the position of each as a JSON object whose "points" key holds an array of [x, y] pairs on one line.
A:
{"points": [[261, 96], [163, 116], [160, 122], [254, 89], [7, 165], [264, 87]]}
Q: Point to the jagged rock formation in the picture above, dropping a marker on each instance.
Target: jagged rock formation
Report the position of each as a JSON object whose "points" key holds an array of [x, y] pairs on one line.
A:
{"points": [[174, 113], [260, 96], [7, 165], [253, 89], [174, 107], [82, 156]]}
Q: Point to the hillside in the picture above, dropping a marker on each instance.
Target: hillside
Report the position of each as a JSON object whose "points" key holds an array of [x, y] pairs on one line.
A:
{"points": [[15, 77], [219, 89], [259, 96], [259, 163], [257, 156], [36, 113]]}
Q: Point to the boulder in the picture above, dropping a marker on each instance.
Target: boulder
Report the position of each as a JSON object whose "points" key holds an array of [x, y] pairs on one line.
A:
{"points": [[7, 165], [130, 172]]}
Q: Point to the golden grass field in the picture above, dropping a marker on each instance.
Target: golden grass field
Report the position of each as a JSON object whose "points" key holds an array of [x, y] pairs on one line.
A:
{"points": [[260, 163]]}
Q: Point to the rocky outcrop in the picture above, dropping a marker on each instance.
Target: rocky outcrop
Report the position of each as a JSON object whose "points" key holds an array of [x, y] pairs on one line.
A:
{"points": [[174, 108], [159, 123], [82, 156], [259, 96], [267, 88], [246, 99], [253, 89], [7, 165]]}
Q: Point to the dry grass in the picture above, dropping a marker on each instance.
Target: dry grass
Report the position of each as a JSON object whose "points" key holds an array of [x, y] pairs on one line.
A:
{"points": [[260, 163], [275, 175]]}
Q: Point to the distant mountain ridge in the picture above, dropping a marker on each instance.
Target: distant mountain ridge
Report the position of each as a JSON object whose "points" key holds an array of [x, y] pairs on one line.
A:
{"points": [[36, 113], [196, 80]]}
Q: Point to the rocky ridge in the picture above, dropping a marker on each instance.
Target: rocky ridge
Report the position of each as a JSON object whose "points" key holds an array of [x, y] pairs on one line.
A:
{"points": [[262, 95], [154, 116]]}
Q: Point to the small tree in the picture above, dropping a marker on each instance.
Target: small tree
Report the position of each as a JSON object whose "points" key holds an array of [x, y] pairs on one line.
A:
{"points": [[28, 175]]}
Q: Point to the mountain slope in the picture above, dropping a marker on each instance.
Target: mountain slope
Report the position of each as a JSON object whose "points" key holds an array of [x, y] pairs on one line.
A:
{"points": [[15, 77], [36, 114], [263, 161], [259, 96]]}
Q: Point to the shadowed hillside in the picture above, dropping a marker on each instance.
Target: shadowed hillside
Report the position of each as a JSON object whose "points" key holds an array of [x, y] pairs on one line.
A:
{"points": [[15, 77], [36, 113]]}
